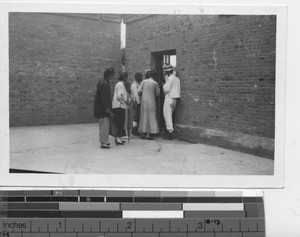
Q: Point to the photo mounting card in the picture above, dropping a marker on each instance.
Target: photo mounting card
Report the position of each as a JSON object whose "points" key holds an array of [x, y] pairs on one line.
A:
{"points": [[228, 121]]}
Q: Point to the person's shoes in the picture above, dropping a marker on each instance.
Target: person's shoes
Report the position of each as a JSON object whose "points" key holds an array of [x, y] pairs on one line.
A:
{"points": [[168, 136], [119, 142], [105, 146], [134, 132], [150, 138], [143, 136], [166, 133]]}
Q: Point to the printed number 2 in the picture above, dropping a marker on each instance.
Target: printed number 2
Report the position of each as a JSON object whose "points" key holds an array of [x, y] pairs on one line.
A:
{"points": [[200, 225], [129, 226]]}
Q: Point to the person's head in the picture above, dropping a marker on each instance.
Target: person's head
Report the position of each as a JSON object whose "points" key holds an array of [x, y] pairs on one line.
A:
{"points": [[122, 76], [148, 74], [153, 74], [169, 72], [109, 73], [168, 69], [138, 77]]}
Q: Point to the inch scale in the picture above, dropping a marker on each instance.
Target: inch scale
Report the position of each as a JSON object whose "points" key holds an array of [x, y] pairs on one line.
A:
{"points": [[75, 213], [131, 227]]}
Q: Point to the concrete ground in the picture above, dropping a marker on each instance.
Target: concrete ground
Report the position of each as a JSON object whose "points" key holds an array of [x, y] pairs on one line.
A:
{"points": [[75, 149]]}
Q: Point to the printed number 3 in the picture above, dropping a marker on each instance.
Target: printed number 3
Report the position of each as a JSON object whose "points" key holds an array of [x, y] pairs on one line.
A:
{"points": [[200, 225]]}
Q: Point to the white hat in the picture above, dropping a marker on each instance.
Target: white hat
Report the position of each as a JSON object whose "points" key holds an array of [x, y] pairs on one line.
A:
{"points": [[167, 68]]}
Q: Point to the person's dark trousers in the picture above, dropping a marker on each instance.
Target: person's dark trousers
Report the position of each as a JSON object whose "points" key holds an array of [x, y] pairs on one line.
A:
{"points": [[135, 117], [136, 112], [119, 120]]}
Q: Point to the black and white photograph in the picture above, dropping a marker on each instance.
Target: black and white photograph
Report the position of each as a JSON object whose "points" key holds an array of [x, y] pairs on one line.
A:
{"points": [[176, 94], [136, 95], [162, 96]]}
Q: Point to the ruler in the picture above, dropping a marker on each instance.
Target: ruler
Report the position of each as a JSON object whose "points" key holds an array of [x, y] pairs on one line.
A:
{"points": [[96, 213]]}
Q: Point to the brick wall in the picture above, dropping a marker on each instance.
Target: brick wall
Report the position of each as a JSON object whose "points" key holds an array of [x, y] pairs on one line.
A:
{"points": [[55, 62], [226, 65]]}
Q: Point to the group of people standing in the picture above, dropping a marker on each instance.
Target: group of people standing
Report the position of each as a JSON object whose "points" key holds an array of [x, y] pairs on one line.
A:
{"points": [[140, 97]]}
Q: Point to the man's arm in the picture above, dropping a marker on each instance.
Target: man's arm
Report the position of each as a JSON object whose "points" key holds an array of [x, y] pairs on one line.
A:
{"points": [[134, 92], [157, 90], [140, 89], [167, 86]]}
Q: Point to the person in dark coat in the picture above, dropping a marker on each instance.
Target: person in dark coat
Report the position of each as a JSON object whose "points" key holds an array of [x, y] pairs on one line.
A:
{"points": [[103, 107]]}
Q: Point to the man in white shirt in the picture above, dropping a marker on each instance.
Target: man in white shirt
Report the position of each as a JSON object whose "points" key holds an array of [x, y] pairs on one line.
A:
{"points": [[136, 102], [172, 93]]}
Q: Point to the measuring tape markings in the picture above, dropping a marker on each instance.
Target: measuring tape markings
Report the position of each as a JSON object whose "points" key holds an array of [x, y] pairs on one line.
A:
{"points": [[134, 234], [130, 225], [240, 209]]}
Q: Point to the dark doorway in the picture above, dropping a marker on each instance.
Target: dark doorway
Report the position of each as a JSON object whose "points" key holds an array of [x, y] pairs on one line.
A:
{"points": [[158, 59]]}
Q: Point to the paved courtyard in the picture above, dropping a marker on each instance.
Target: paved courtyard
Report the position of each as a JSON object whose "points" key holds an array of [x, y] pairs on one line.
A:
{"points": [[75, 149]]}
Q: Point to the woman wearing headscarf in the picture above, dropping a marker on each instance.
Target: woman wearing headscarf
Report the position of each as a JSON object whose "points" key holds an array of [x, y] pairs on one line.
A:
{"points": [[103, 107], [119, 105]]}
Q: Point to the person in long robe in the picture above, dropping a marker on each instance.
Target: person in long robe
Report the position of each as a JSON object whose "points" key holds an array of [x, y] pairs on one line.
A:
{"points": [[148, 125]]}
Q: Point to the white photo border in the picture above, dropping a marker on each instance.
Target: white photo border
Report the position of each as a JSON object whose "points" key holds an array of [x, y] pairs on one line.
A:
{"points": [[143, 181]]}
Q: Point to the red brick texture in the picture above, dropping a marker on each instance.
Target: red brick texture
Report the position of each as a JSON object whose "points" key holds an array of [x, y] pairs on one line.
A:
{"points": [[55, 62]]}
